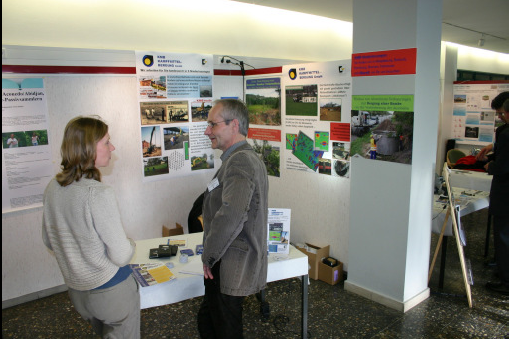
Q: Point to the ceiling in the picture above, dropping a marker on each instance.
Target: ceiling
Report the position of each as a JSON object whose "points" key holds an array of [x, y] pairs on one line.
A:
{"points": [[463, 21]]}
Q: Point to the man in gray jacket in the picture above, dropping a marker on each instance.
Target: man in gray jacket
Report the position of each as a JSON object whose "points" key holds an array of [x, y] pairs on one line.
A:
{"points": [[235, 224]]}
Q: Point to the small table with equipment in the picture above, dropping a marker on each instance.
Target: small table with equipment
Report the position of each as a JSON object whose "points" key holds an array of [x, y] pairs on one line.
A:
{"points": [[188, 282]]}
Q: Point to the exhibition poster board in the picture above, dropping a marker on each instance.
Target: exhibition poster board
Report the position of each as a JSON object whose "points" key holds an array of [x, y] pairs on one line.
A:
{"points": [[175, 94], [26, 150], [473, 119]]}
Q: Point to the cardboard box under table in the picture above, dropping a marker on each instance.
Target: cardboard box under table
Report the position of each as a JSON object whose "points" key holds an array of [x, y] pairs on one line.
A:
{"points": [[168, 232], [331, 275], [315, 255]]}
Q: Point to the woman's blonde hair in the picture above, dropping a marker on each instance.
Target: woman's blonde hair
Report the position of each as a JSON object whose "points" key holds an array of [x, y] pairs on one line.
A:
{"points": [[79, 149]]}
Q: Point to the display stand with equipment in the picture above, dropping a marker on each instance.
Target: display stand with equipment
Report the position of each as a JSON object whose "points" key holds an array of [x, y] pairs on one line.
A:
{"points": [[453, 212]]}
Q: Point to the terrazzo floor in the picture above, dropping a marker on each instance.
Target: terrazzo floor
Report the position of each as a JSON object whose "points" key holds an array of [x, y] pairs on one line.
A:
{"points": [[333, 312]]}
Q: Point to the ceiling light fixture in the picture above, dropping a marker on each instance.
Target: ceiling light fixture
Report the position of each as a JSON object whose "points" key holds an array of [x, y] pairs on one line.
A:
{"points": [[481, 41]]}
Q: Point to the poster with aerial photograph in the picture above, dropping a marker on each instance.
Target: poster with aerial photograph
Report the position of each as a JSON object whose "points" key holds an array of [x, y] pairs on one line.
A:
{"points": [[263, 101]]}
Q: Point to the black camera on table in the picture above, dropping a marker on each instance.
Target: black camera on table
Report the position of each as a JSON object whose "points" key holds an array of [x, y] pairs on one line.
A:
{"points": [[163, 251]]}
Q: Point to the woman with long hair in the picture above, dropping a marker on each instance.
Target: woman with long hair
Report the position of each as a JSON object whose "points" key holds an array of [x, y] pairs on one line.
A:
{"points": [[82, 226]]}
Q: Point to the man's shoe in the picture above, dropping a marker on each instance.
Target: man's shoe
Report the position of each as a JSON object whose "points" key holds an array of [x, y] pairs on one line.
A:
{"points": [[491, 263], [498, 287]]}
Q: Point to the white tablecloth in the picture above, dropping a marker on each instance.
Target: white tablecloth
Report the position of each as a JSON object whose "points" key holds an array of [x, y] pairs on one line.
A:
{"points": [[480, 181], [187, 286], [468, 204]]}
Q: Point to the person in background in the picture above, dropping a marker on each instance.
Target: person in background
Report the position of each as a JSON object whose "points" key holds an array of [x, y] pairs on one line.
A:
{"points": [[235, 211], [496, 104], [372, 148], [82, 226], [35, 139], [498, 166], [12, 141]]}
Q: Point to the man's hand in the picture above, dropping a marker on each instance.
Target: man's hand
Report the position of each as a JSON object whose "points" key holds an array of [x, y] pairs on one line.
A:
{"points": [[481, 156], [207, 272], [486, 166]]}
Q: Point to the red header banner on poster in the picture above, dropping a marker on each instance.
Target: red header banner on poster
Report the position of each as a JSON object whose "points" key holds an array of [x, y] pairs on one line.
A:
{"points": [[264, 134], [340, 131], [395, 62]]}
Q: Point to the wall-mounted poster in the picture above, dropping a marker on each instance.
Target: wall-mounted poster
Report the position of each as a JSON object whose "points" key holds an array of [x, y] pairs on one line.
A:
{"points": [[473, 119], [314, 100], [382, 127], [26, 149], [175, 95]]}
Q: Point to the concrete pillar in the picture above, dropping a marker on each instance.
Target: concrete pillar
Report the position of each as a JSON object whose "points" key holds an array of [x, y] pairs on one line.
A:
{"points": [[391, 203]]}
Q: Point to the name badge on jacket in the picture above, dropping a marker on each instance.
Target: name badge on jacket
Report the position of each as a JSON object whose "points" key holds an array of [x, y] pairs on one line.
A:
{"points": [[213, 184]]}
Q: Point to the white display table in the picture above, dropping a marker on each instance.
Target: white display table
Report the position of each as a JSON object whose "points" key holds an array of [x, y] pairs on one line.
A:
{"points": [[468, 204], [187, 286], [474, 180]]}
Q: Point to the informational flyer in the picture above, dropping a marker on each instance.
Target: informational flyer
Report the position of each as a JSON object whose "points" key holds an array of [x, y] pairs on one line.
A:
{"points": [[316, 101], [279, 230], [473, 119], [152, 274], [26, 150], [175, 96]]}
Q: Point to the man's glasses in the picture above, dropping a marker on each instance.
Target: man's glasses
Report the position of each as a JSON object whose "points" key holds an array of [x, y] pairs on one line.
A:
{"points": [[213, 124]]}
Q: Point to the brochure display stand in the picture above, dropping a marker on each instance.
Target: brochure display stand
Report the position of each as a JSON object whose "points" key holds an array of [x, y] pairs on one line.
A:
{"points": [[459, 235]]}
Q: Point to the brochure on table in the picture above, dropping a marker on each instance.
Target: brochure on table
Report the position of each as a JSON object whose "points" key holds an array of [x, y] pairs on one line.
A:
{"points": [[279, 230]]}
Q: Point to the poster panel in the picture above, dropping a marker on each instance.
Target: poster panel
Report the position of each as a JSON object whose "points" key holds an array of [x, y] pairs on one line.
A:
{"points": [[26, 150], [382, 127], [316, 101], [175, 95], [473, 119]]}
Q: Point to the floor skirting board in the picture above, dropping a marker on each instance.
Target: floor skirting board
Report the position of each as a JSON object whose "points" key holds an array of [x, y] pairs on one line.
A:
{"points": [[384, 300], [33, 296]]}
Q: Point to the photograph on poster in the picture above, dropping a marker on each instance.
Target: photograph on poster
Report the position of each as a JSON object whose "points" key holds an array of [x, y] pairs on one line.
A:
{"points": [[150, 141], [302, 100], [473, 119], [269, 153], [175, 137], [290, 141], [203, 161], [305, 152], [341, 150], [200, 110], [471, 132], [152, 113], [263, 101], [205, 91], [459, 111], [15, 139], [487, 117], [322, 141], [383, 135], [324, 166], [460, 98], [177, 111], [37, 137], [153, 87], [341, 168], [155, 166], [330, 109]]}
